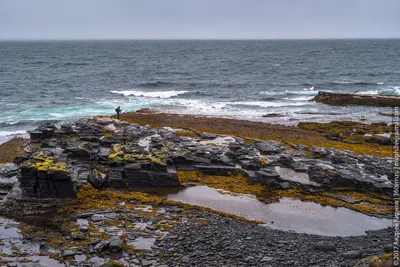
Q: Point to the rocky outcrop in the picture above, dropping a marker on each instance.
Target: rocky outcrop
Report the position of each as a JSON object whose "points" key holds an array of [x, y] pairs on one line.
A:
{"points": [[111, 153], [339, 98]]}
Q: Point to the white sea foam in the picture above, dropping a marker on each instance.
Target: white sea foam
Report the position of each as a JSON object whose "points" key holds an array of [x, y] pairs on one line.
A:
{"points": [[369, 92], [305, 91], [390, 90], [12, 133], [266, 104], [7, 135], [154, 94], [300, 98]]}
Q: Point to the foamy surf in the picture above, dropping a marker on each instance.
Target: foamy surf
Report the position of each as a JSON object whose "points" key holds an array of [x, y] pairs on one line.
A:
{"points": [[390, 90], [7, 135], [154, 94]]}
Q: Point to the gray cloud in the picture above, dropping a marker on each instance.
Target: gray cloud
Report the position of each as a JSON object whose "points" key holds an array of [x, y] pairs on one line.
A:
{"points": [[204, 19]]}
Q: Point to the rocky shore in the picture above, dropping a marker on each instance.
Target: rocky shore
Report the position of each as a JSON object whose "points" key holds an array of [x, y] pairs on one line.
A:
{"points": [[94, 182]]}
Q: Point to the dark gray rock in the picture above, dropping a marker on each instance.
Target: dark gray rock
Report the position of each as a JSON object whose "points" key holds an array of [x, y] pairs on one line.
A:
{"points": [[388, 248], [325, 246], [216, 169], [270, 147], [97, 179], [207, 135], [267, 176], [116, 245], [353, 254], [285, 185]]}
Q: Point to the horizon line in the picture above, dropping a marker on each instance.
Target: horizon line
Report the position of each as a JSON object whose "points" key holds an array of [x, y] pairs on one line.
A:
{"points": [[193, 39]]}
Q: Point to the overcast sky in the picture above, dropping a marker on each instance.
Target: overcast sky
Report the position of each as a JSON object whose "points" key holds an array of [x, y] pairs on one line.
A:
{"points": [[198, 19]]}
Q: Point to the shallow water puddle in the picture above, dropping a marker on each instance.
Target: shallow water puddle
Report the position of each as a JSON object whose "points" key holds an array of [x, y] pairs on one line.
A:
{"points": [[8, 229], [39, 261], [14, 244], [288, 214]]}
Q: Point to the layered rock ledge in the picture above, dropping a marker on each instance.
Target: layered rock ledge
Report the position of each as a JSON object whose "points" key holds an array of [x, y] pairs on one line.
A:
{"points": [[111, 153]]}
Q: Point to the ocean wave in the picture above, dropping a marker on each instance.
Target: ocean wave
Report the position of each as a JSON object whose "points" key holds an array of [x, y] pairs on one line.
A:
{"points": [[299, 98], [34, 63], [390, 90], [23, 123], [155, 84], [263, 104], [379, 74], [12, 133], [305, 92], [353, 83], [155, 94], [269, 98], [75, 64]]}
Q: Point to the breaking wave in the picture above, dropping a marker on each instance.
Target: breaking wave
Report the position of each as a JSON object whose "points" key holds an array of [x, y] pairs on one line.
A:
{"points": [[155, 94], [390, 90]]}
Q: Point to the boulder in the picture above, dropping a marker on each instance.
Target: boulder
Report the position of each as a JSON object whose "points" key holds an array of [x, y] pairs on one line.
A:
{"points": [[116, 245], [97, 179], [270, 147], [267, 176]]}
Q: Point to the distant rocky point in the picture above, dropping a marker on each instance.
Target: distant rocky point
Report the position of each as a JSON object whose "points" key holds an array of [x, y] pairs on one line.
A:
{"points": [[339, 98]]}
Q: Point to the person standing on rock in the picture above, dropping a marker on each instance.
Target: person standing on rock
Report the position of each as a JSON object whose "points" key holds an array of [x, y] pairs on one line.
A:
{"points": [[118, 110]]}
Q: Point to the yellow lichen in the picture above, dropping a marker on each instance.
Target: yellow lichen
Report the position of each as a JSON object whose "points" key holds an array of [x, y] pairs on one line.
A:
{"points": [[47, 164], [157, 160], [116, 154]]}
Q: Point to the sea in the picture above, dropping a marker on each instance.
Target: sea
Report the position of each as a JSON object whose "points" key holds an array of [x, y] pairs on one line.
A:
{"points": [[59, 81]]}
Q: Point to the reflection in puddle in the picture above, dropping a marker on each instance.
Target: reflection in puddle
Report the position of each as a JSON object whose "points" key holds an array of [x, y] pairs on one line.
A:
{"points": [[293, 176], [39, 261], [11, 237], [288, 214], [13, 241]]}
